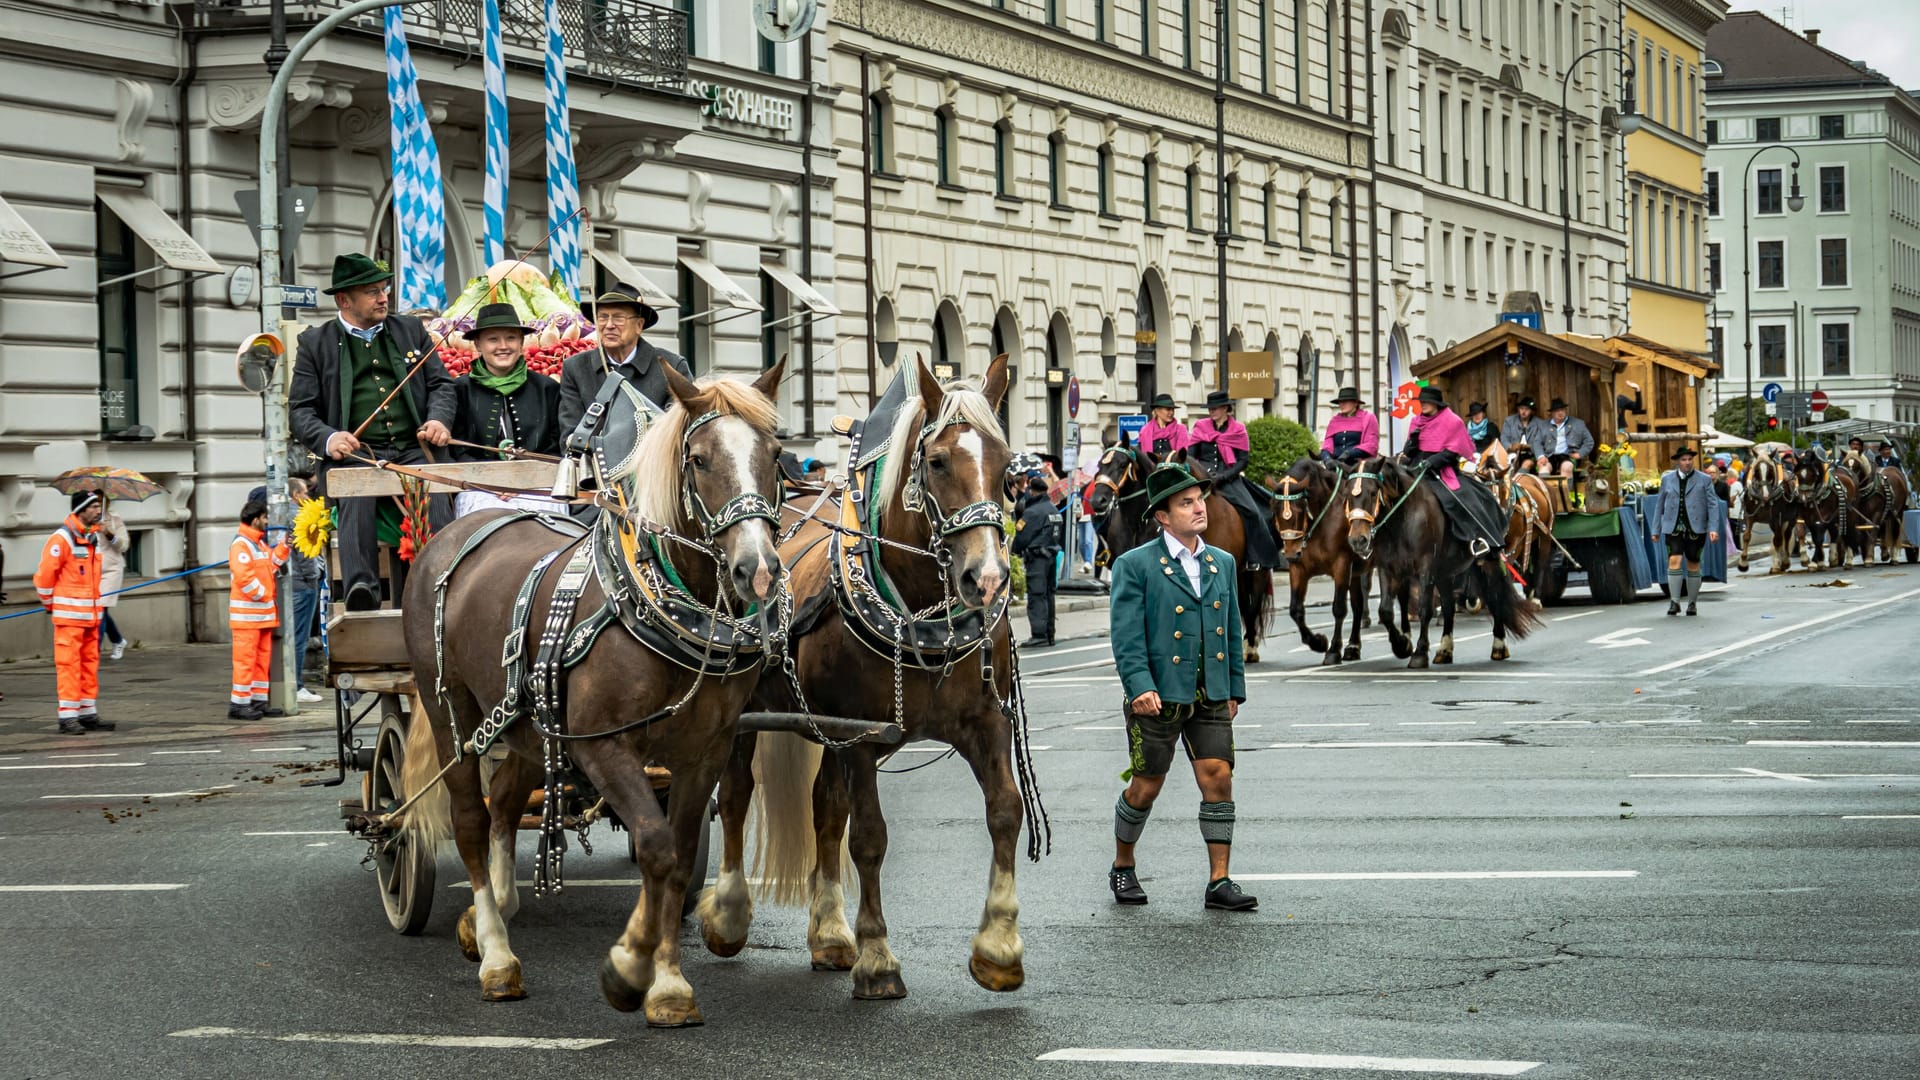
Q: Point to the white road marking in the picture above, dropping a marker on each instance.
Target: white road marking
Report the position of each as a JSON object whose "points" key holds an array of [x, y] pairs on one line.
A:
{"points": [[143, 794], [1576, 615], [139, 887], [1774, 775], [1050, 653], [1546, 723], [1660, 721], [1428, 674], [1368, 745], [61, 757], [1331, 725], [1617, 639], [1088, 666], [276, 749], [87, 765], [1100, 727], [157, 753], [1773, 721], [457, 1042], [1273, 1060], [1834, 742], [1759, 774], [1440, 875], [1878, 817], [1438, 723], [1879, 721], [298, 832], [1851, 609]]}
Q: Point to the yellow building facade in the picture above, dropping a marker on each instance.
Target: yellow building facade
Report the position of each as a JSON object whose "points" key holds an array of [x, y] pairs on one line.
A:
{"points": [[1669, 280]]}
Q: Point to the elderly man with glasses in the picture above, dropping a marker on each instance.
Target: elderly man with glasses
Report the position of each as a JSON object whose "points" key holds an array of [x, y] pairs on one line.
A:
{"points": [[619, 317]]}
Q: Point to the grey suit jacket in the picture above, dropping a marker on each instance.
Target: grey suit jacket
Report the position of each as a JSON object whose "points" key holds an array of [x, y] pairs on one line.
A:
{"points": [[1703, 509], [1513, 432], [583, 373], [1579, 439]]}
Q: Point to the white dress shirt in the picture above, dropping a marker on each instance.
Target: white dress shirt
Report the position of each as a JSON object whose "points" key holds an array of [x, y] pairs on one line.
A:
{"points": [[1188, 560]]}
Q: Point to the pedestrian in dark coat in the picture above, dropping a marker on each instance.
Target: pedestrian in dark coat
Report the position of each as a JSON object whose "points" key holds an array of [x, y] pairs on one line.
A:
{"points": [[1036, 542]]}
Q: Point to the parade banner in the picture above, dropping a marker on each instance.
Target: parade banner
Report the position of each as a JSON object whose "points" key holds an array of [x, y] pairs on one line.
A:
{"points": [[419, 207], [563, 192], [495, 77]]}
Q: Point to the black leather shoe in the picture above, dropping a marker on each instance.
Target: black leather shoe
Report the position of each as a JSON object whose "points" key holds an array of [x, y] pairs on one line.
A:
{"points": [[241, 712], [1224, 895], [1673, 607], [96, 723], [70, 726], [1126, 886], [1693, 609], [1037, 643], [363, 598]]}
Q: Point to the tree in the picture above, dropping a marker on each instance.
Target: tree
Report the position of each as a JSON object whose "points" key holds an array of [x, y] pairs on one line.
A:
{"points": [[1731, 417], [1276, 444]]}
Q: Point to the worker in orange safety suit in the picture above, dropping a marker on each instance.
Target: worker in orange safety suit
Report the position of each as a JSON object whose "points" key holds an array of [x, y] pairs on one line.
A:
{"points": [[251, 612], [68, 581]]}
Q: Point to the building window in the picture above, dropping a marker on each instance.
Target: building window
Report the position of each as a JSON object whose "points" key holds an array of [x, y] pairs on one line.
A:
{"points": [[1770, 263], [1230, 206], [1003, 158], [1106, 179], [1486, 151], [119, 325], [1149, 26], [685, 8], [1186, 33], [1833, 262], [1446, 161], [946, 148], [1833, 127], [693, 301], [1445, 274], [1193, 197], [1334, 77], [1506, 159], [1300, 51], [1833, 189], [1303, 221], [1392, 117], [1767, 129], [1836, 349], [1526, 164], [1637, 249], [1265, 53], [773, 320], [1713, 268], [1053, 12], [769, 54], [1768, 184], [880, 132], [1057, 169], [1713, 132], [1267, 223], [1150, 188], [1333, 225], [1717, 345], [1102, 18], [1466, 145], [1772, 338], [1544, 170], [1713, 193]]}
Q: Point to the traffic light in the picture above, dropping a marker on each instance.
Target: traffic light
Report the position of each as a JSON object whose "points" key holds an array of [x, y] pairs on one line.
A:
{"points": [[1773, 423]]}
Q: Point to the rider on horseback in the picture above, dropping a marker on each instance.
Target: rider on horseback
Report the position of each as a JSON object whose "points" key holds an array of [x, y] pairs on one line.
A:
{"points": [[1163, 435], [1353, 434], [1225, 458], [1438, 441]]}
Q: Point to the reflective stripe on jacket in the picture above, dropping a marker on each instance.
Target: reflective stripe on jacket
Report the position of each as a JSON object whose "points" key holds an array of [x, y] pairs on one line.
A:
{"points": [[68, 578], [252, 566]]}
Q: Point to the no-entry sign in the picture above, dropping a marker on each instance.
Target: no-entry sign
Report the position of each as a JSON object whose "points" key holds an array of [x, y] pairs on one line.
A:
{"points": [[1818, 402]]}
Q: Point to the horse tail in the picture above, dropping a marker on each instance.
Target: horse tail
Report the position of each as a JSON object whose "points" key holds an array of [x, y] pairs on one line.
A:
{"points": [[1257, 611], [784, 766], [1519, 615], [430, 819]]}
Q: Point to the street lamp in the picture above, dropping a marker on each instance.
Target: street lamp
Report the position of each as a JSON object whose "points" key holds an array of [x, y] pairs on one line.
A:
{"points": [[1794, 203], [1628, 122]]}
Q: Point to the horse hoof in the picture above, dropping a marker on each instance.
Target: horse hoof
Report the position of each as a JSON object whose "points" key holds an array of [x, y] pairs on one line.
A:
{"points": [[502, 985], [1332, 659], [1318, 643], [999, 978], [1352, 652], [879, 986], [1402, 649], [676, 1013], [1500, 651], [833, 958], [1253, 656], [1443, 657], [1418, 663], [720, 948], [614, 987], [468, 937]]}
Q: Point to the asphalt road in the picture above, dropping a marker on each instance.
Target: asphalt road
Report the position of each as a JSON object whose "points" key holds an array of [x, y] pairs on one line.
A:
{"points": [[1704, 831]]}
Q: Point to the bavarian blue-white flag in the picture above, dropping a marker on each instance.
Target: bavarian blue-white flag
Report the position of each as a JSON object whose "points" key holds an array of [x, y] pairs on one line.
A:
{"points": [[496, 83], [419, 205], [563, 190]]}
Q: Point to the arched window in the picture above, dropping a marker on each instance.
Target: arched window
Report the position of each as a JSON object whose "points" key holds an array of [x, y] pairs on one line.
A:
{"points": [[949, 342], [1003, 157], [886, 332]]}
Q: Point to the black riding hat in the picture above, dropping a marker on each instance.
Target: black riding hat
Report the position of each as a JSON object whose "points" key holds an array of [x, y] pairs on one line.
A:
{"points": [[1431, 395], [622, 294], [1526, 403], [1684, 452], [1557, 405], [1218, 399], [1347, 393], [1477, 407]]}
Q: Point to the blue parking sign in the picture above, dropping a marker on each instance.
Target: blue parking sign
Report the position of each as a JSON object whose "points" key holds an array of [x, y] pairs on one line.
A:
{"points": [[1130, 426]]}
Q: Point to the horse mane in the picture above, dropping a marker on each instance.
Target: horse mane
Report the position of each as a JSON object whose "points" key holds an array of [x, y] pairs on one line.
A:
{"points": [[963, 403], [657, 460]]}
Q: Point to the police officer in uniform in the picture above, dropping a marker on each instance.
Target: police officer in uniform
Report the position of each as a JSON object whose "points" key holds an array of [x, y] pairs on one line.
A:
{"points": [[1175, 630], [1036, 543]]}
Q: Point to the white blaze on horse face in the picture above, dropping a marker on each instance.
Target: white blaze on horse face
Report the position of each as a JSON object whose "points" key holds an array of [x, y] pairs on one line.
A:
{"points": [[974, 448], [739, 441]]}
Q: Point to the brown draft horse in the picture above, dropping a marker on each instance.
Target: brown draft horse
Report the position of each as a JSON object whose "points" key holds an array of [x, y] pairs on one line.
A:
{"points": [[1118, 500], [936, 489], [1309, 512], [1393, 519], [1770, 498], [1825, 501], [683, 465], [1529, 508], [1882, 499]]}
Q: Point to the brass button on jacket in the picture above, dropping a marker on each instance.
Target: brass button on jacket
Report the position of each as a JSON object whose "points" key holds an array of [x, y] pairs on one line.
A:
{"points": [[1176, 635]]}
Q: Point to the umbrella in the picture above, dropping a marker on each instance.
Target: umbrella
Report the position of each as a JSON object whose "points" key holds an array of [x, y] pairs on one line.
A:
{"points": [[112, 482], [1720, 440]]}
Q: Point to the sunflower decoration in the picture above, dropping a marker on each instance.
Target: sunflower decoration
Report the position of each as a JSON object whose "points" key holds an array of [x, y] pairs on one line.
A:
{"points": [[311, 527]]}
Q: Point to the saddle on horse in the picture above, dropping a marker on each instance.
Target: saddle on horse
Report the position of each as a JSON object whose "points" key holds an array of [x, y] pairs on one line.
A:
{"points": [[1473, 514]]}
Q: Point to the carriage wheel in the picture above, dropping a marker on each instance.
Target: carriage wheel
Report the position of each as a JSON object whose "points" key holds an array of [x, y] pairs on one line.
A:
{"points": [[402, 867]]}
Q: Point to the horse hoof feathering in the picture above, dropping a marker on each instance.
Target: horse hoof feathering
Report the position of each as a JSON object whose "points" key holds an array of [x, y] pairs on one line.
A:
{"points": [[999, 978], [834, 958], [469, 938], [502, 985]]}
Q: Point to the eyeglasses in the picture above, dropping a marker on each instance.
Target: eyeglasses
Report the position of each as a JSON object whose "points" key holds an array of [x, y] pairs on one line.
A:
{"points": [[613, 318]]}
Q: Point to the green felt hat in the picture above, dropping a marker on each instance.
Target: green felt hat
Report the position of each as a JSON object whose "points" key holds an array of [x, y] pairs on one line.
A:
{"points": [[357, 269], [1167, 481]]}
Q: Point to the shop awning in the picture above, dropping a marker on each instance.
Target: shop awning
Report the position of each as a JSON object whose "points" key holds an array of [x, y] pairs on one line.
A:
{"points": [[797, 286], [726, 292], [19, 243], [169, 242], [626, 273]]}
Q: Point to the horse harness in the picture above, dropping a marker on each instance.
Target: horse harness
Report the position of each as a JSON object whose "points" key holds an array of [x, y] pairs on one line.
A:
{"points": [[1288, 497]]}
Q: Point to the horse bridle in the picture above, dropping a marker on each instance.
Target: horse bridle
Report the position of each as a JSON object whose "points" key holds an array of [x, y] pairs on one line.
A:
{"points": [[1126, 475], [917, 495], [1287, 497], [1354, 512], [745, 506]]}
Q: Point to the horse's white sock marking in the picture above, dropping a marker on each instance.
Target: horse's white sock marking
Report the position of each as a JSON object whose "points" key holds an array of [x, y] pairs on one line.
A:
{"points": [[731, 909], [500, 872], [827, 914], [999, 936], [490, 931]]}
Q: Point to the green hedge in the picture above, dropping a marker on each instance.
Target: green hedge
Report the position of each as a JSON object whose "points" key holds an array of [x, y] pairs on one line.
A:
{"points": [[1277, 444]]}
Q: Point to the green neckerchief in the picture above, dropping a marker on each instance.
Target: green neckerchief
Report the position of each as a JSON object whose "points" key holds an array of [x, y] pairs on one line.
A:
{"points": [[504, 385]]}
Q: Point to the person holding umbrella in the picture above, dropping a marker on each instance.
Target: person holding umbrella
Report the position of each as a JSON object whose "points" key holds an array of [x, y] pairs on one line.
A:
{"points": [[68, 581]]}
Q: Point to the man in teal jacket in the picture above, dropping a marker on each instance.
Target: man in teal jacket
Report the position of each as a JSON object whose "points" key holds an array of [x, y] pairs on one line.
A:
{"points": [[1175, 628]]}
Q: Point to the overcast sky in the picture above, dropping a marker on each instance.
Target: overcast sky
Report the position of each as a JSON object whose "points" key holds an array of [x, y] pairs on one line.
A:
{"points": [[1882, 33]]}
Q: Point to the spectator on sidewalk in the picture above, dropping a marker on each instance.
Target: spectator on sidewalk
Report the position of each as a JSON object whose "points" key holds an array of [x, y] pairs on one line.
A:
{"points": [[306, 576], [251, 612], [1036, 543], [68, 581], [114, 542]]}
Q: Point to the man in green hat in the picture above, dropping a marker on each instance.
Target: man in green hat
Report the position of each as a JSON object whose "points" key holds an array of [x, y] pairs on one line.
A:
{"points": [[619, 317], [1175, 627], [501, 403], [343, 402]]}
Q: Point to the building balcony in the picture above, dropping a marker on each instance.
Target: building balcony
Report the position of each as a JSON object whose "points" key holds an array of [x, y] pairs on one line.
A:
{"points": [[628, 42]]}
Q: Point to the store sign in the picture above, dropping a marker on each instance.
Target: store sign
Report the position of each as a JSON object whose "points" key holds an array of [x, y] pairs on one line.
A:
{"points": [[1250, 375], [750, 108]]}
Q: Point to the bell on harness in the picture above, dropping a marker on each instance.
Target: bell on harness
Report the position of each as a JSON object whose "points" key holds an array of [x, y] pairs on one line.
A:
{"points": [[603, 449]]}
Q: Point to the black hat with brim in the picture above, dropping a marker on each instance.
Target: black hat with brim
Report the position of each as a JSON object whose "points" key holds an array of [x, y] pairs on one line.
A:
{"points": [[1431, 395], [1162, 401], [1477, 407], [1557, 405], [1219, 399], [498, 317], [1684, 452], [357, 269], [1346, 394], [1167, 481], [622, 294], [1526, 403]]}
